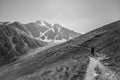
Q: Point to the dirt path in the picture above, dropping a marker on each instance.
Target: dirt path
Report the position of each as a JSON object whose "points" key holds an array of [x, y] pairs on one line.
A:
{"points": [[91, 69], [106, 74]]}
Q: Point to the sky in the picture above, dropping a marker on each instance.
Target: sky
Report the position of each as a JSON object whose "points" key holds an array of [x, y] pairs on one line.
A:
{"points": [[78, 15]]}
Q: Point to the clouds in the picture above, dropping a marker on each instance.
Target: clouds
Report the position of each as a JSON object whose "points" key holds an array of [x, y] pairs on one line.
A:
{"points": [[79, 15]]}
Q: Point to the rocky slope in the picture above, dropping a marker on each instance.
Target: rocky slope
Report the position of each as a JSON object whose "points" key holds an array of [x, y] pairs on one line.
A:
{"points": [[15, 41], [73, 60], [47, 32]]}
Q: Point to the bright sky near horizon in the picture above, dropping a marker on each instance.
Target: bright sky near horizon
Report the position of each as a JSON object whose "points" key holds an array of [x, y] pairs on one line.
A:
{"points": [[77, 15]]}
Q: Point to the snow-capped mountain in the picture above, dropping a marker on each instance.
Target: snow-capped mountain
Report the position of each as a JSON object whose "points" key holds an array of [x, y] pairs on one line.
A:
{"points": [[17, 39], [73, 60], [42, 30]]}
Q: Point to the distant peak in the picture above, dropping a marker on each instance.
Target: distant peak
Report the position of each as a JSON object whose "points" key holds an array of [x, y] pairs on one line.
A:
{"points": [[6, 23], [16, 22], [41, 23], [57, 25], [38, 22]]}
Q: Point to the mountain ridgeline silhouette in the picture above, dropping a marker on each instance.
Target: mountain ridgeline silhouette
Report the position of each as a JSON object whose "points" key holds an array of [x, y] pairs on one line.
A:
{"points": [[72, 60], [17, 39], [47, 32]]}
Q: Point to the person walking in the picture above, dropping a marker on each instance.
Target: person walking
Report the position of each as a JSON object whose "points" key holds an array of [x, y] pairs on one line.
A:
{"points": [[92, 51]]}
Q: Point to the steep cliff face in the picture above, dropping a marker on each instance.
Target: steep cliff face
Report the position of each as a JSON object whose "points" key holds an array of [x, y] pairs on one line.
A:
{"points": [[73, 60], [47, 32], [15, 41]]}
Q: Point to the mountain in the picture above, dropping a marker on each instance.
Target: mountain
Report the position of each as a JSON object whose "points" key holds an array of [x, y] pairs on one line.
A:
{"points": [[74, 59], [15, 41], [47, 32]]}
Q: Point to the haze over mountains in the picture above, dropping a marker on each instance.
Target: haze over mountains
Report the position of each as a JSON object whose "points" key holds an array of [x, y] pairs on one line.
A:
{"points": [[73, 60]]}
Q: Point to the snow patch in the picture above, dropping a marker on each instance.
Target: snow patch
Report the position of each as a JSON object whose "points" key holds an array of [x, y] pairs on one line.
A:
{"points": [[47, 40], [59, 29], [55, 37], [63, 40], [70, 37], [47, 31], [52, 29], [82, 32], [41, 34], [42, 23]]}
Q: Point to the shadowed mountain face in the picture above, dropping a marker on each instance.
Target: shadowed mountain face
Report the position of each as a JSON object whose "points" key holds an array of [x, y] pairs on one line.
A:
{"points": [[73, 60], [15, 41], [47, 32]]}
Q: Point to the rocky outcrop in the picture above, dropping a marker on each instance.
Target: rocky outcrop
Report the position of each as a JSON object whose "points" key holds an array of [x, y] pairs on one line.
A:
{"points": [[47, 32], [15, 41]]}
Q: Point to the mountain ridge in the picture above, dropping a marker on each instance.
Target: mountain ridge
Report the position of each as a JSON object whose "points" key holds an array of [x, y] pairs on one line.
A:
{"points": [[70, 60], [15, 41], [48, 32]]}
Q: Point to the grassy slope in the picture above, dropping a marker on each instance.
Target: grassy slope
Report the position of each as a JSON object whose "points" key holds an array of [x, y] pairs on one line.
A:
{"points": [[105, 40]]}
